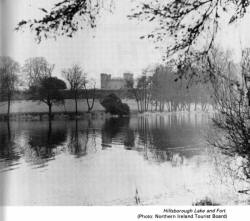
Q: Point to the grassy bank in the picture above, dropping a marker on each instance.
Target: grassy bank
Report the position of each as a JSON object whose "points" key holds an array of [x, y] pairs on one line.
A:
{"points": [[28, 106]]}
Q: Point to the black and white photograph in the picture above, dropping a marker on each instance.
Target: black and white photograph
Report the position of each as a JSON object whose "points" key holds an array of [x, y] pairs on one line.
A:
{"points": [[125, 103]]}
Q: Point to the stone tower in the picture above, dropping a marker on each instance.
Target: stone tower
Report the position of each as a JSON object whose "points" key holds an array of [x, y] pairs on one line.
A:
{"points": [[128, 77], [105, 78], [128, 80]]}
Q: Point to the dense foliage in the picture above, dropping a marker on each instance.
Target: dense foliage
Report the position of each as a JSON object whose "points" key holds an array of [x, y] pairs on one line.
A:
{"points": [[49, 92], [114, 105]]}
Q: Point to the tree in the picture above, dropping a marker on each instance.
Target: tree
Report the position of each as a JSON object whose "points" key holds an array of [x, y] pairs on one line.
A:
{"points": [[181, 24], [8, 79], [66, 17], [90, 93], [233, 109], [77, 81], [142, 90], [162, 82], [188, 28], [114, 105], [35, 69], [231, 132], [49, 92]]}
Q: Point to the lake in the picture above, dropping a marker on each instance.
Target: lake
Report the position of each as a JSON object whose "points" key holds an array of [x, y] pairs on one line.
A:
{"points": [[154, 159]]}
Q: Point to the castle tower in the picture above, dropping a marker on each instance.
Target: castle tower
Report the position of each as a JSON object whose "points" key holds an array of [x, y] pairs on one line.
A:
{"points": [[105, 78], [128, 76], [129, 79]]}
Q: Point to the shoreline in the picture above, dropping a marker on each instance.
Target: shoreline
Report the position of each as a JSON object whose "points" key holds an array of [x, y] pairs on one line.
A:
{"points": [[43, 116], [35, 111]]}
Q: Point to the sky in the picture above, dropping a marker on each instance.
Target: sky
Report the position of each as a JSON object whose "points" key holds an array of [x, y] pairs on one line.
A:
{"points": [[114, 47]]}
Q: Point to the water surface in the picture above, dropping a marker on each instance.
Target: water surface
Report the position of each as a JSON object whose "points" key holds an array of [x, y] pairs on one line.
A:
{"points": [[158, 159]]}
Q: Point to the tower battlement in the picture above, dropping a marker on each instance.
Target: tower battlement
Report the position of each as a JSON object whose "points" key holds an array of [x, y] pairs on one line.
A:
{"points": [[107, 82]]}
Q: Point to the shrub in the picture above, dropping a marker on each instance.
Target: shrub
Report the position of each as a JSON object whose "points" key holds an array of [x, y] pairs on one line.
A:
{"points": [[114, 105]]}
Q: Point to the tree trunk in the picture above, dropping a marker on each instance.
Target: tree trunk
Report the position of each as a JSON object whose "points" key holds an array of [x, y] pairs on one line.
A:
{"points": [[138, 105], [8, 111], [76, 104], [90, 106], [49, 135], [156, 105], [88, 98], [142, 105], [50, 112]]}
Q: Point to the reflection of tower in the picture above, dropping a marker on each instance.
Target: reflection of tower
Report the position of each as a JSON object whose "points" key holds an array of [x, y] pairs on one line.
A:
{"points": [[105, 78]]}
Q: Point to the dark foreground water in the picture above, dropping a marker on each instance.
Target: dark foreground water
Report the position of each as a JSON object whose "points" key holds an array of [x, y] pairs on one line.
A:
{"points": [[151, 160]]}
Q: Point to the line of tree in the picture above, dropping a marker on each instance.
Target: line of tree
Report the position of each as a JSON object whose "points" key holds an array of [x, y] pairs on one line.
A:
{"points": [[41, 85], [158, 90]]}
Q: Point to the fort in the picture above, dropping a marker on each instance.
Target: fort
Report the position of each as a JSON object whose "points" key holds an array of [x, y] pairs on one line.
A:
{"points": [[115, 83]]}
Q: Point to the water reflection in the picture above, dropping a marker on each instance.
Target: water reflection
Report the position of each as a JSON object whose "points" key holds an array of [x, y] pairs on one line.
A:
{"points": [[117, 131], [40, 142], [170, 138], [149, 154], [8, 153], [81, 138], [159, 138]]}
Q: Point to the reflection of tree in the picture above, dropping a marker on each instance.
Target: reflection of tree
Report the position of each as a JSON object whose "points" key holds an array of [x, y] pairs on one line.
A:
{"points": [[166, 139], [8, 151], [129, 139], [43, 142], [80, 141], [9, 131], [118, 129], [74, 144]]}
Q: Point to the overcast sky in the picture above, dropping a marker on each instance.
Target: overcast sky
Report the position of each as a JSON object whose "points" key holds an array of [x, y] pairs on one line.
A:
{"points": [[113, 47]]}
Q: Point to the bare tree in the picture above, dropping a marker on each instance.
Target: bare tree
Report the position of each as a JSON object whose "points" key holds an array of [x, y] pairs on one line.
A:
{"points": [[76, 79], [35, 69], [8, 79], [90, 93], [232, 119], [232, 111]]}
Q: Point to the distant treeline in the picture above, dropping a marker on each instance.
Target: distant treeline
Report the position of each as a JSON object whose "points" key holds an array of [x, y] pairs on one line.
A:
{"points": [[197, 95]]}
